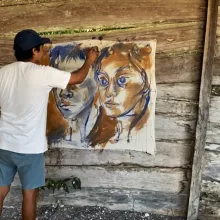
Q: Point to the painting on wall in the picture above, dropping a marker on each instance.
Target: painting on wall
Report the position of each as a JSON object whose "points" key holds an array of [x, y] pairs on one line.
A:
{"points": [[114, 108]]}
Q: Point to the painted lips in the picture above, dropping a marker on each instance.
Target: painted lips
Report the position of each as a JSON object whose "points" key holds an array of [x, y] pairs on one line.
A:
{"points": [[110, 104]]}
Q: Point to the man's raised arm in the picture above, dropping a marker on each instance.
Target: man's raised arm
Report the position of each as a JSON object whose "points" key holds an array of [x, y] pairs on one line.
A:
{"points": [[79, 76]]}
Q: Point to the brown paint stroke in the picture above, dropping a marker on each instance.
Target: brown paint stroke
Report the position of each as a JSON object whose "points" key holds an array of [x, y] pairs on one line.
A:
{"points": [[56, 124], [141, 54], [139, 58], [55, 120], [143, 121], [103, 130]]}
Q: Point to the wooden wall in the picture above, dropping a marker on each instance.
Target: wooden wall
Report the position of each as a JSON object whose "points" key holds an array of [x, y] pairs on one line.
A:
{"points": [[210, 191], [129, 180]]}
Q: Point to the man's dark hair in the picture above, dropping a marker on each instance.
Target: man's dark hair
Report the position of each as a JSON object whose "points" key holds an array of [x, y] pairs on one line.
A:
{"points": [[25, 55]]}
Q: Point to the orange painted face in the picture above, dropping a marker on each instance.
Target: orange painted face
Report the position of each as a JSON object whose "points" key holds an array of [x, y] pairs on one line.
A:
{"points": [[120, 84]]}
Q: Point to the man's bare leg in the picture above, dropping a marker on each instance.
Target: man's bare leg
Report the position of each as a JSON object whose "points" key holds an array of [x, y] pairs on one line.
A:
{"points": [[29, 204], [3, 193]]}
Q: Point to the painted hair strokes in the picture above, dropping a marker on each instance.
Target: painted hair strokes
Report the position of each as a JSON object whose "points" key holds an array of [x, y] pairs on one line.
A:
{"points": [[114, 108]]}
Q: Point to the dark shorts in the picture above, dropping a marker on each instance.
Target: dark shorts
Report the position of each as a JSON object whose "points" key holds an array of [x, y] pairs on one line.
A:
{"points": [[30, 168]]}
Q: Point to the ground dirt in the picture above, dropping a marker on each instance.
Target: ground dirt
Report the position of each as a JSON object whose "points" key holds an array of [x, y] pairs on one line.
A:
{"points": [[84, 213]]}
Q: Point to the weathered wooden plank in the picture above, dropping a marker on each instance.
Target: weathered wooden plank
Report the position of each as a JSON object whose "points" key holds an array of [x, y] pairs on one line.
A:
{"points": [[171, 38], [216, 64], [215, 80], [209, 217], [178, 48], [178, 91], [5, 3], [85, 14], [217, 49], [165, 180], [212, 147], [174, 180], [168, 155], [214, 111], [213, 133], [209, 207], [169, 69], [174, 128], [114, 199], [205, 93], [177, 108], [178, 69], [7, 53], [210, 200], [210, 192], [212, 166]]}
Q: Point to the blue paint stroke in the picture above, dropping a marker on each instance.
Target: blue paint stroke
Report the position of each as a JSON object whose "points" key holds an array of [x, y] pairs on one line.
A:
{"points": [[73, 52]]}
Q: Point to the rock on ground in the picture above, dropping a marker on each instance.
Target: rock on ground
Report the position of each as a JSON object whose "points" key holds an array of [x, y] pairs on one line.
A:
{"points": [[85, 213]]}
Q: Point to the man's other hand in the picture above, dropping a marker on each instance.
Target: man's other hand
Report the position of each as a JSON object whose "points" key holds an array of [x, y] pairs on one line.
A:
{"points": [[92, 55]]}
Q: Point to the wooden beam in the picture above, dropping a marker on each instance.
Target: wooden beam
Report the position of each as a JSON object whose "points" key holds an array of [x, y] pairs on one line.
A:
{"points": [[204, 101]]}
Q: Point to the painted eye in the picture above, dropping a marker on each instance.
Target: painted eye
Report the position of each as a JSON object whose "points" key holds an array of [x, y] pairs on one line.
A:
{"points": [[69, 95], [103, 81], [66, 95], [122, 81]]}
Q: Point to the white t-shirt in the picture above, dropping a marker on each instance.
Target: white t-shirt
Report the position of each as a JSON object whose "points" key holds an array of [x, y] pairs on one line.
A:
{"points": [[24, 92]]}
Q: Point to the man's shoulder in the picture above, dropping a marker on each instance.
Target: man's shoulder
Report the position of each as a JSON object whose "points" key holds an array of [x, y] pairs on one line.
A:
{"points": [[14, 65], [8, 66], [33, 68]]}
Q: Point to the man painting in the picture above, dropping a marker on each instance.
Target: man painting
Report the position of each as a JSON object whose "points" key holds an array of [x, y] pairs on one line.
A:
{"points": [[25, 86]]}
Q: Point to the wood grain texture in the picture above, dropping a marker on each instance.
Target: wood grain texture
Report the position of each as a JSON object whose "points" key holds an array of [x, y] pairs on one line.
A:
{"points": [[179, 48], [210, 200], [154, 184], [171, 38], [212, 166], [177, 108], [169, 69], [215, 81], [121, 177], [180, 153], [114, 199], [68, 14], [214, 112], [205, 93], [178, 91], [174, 180], [210, 191], [174, 128], [213, 133]]}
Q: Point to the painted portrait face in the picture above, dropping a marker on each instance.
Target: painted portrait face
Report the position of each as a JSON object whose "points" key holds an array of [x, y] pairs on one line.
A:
{"points": [[70, 100], [75, 98], [120, 84]]}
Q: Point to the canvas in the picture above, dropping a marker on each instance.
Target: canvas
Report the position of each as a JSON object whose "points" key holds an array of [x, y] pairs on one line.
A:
{"points": [[114, 108]]}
